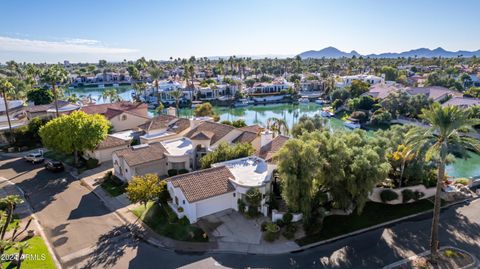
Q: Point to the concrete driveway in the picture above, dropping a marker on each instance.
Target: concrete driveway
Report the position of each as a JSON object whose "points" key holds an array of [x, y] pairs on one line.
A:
{"points": [[231, 226]]}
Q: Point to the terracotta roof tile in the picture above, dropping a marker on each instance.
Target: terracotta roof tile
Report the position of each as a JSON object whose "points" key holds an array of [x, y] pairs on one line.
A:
{"points": [[246, 137], [203, 184], [252, 128], [268, 151], [111, 142], [113, 109], [180, 125], [142, 153], [158, 122], [219, 130]]}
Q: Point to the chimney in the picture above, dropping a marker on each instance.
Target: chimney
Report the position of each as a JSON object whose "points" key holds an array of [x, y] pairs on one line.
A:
{"points": [[172, 111], [265, 137]]}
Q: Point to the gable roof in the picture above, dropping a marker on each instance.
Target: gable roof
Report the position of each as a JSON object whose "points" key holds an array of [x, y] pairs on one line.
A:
{"points": [[268, 151], [252, 128], [219, 130], [44, 108], [158, 122], [142, 154], [381, 90], [246, 137], [114, 109], [111, 142], [434, 92], [204, 184], [179, 126]]}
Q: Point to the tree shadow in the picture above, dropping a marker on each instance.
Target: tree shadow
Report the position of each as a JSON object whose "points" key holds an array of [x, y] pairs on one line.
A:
{"points": [[84, 208]]}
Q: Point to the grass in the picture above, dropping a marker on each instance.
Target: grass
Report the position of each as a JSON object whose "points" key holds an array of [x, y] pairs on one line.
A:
{"points": [[157, 218], [41, 257], [113, 188], [373, 214]]}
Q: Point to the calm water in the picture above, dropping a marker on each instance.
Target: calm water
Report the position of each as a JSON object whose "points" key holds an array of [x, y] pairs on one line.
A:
{"points": [[289, 112]]}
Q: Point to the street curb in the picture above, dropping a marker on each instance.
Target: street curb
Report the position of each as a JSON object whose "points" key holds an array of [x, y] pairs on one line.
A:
{"points": [[55, 257], [378, 226]]}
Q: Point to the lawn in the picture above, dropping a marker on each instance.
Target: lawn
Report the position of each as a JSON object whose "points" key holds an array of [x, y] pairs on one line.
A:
{"points": [[163, 221], [113, 188], [40, 258], [373, 214]]}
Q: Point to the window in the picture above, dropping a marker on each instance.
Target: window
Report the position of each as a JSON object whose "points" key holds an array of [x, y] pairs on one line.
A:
{"points": [[183, 201], [176, 200], [126, 170], [234, 194]]}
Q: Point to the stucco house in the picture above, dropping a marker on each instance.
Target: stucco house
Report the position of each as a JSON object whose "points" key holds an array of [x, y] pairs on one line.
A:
{"points": [[436, 93], [164, 127], [122, 115], [219, 188], [462, 102], [117, 141]]}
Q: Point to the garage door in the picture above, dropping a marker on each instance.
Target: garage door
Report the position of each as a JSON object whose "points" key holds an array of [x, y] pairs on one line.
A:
{"points": [[214, 205]]}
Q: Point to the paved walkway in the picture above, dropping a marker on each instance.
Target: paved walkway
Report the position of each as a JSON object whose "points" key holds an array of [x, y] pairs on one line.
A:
{"points": [[122, 207]]}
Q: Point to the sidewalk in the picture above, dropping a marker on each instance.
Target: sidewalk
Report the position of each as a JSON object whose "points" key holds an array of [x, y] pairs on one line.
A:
{"points": [[24, 212]]}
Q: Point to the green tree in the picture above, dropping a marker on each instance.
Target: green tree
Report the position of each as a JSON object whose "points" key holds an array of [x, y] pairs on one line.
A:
{"points": [[21, 246], [226, 152], [204, 110], [54, 75], [358, 88], [177, 94], [277, 126], [391, 73], [74, 133], [298, 168], [441, 139], [239, 123], [156, 73], [142, 189], [308, 124], [473, 92], [10, 202], [111, 95], [6, 87]]}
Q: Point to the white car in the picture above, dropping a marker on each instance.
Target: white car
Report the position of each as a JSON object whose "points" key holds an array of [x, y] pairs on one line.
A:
{"points": [[35, 157]]}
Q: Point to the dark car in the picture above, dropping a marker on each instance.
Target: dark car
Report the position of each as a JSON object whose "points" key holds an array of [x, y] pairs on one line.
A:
{"points": [[54, 166]]}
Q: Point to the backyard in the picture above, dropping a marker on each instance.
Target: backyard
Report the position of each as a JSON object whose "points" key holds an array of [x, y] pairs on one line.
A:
{"points": [[373, 214], [163, 221]]}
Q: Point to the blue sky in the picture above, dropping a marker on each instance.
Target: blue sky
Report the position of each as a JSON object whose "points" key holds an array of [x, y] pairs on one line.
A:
{"points": [[89, 30]]}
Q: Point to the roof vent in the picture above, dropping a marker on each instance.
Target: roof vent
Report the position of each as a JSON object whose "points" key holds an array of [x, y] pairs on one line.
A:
{"points": [[141, 146]]}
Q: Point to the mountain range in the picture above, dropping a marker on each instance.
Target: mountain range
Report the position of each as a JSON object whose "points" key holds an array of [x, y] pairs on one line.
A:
{"points": [[331, 52]]}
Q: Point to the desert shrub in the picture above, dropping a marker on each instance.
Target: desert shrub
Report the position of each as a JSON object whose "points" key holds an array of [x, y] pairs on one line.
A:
{"points": [[287, 218], [91, 163], [407, 195], [184, 221], [290, 231], [271, 232], [388, 195], [172, 172]]}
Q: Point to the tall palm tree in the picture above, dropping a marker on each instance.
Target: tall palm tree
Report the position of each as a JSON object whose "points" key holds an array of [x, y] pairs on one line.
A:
{"points": [[176, 94], [21, 246], [442, 138], [11, 202], [155, 74], [53, 75], [277, 126], [111, 95], [6, 87]]}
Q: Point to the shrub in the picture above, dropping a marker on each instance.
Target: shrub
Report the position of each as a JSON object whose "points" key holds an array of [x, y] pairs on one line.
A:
{"points": [[252, 211], [164, 195], [108, 175], [463, 181], [184, 221], [241, 205], [180, 209], [169, 230], [290, 231], [172, 172], [91, 163], [263, 226], [182, 171], [359, 115], [407, 195], [287, 218], [271, 232], [280, 223], [171, 216], [388, 195], [449, 253], [418, 195]]}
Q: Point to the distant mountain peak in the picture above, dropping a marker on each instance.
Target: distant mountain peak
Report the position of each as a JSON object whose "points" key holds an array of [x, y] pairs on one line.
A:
{"points": [[332, 52]]}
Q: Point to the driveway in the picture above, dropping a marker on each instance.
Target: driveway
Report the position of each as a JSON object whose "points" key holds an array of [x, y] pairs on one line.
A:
{"points": [[231, 226]]}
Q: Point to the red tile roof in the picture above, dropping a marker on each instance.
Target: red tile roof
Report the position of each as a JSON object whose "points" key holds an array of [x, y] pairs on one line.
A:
{"points": [[114, 109], [141, 154], [268, 151]]}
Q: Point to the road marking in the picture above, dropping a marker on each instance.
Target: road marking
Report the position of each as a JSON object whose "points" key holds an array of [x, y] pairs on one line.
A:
{"points": [[81, 253]]}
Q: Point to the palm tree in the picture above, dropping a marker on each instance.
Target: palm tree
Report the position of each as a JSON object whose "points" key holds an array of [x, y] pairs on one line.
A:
{"points": [[111, 95], [53, 75], [442, 138], [277, 126], [156, 73], [6, 87], [176, 94], [10, 201], [3, 245], [139, 88], [21, 246]]}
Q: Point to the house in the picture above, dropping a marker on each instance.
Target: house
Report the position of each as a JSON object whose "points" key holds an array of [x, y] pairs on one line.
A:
{"points": [[49, 111], [346, 81], [462, 102], [270, 147], [117, 141], [381, 90], [436, 93], [219, 188], [122, 115], [139, 160], [164, 127]]}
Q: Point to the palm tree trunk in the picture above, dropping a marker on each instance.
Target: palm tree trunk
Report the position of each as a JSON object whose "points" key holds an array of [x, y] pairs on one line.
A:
{"points": [[8, 114], [9, 219], [434, 243], [54, 89], [19, 260]]}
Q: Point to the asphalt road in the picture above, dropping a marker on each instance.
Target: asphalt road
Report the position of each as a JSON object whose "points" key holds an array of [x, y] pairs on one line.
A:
{"points": [[86, 235]]}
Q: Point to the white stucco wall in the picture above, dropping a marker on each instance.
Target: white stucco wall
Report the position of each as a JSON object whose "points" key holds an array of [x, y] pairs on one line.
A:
{"points": [[130, 122], [103, 155]]}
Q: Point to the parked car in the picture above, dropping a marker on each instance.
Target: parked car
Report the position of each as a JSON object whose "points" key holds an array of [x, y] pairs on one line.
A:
{"points": [[35, 157], [54, 166]]}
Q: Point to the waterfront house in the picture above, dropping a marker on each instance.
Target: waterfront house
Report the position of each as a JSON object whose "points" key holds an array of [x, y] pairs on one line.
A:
{"points": [[122, 115], [346, 81], [436, 93], [381, 90], [219, 188], [113, 142], [264, 92], [164, 127]]}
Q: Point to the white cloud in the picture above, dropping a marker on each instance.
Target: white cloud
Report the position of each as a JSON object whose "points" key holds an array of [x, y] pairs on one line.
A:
{"points": [[76, 45]]}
